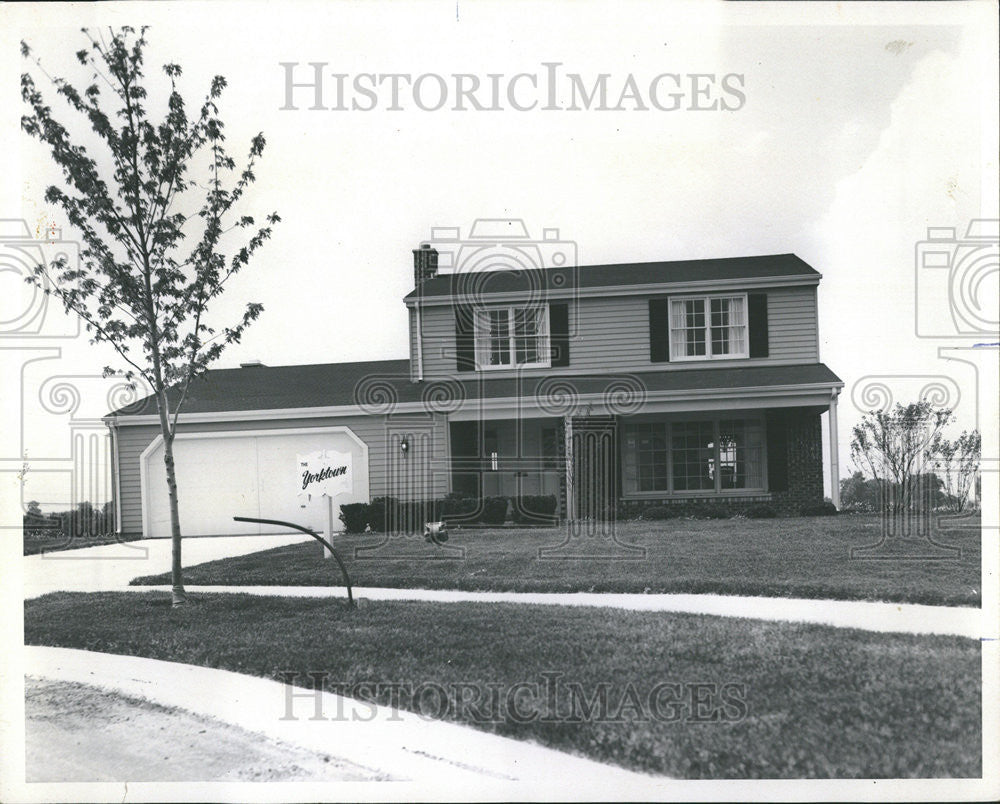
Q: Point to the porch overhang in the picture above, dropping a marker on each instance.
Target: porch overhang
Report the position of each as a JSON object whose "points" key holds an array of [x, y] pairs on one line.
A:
{"points": [[668, 391], [652, 402]]}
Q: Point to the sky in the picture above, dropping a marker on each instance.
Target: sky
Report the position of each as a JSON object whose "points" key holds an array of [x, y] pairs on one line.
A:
{"points": [[853, 128]]}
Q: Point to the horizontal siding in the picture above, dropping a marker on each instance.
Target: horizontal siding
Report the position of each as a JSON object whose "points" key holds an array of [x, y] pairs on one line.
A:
{"points": [[792, 324], [131, 442], [438, 330], [427, 436], [613, 334]]}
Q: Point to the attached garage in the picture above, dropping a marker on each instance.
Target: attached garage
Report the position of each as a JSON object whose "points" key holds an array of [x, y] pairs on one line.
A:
{"points": [[252, 473]]}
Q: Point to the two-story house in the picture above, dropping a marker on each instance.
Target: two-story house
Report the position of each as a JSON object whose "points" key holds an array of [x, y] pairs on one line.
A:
{"points": [[608, 385]]}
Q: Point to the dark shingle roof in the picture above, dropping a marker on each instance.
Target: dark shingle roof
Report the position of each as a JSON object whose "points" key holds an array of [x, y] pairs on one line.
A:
{"points": [[601, 276], [373, 383]]}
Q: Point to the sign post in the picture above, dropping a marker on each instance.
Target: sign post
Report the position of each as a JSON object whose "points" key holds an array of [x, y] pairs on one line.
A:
{"points": [[329, 526], [329, 474]]}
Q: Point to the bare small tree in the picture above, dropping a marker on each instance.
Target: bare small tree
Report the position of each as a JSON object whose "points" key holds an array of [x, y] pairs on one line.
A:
{"points": [[957, 463], [154, 239], [893, 445]]}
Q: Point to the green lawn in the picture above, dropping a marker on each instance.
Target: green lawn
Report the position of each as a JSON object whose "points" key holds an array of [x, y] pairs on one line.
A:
{"points": [[808, 701], [800, 557]]}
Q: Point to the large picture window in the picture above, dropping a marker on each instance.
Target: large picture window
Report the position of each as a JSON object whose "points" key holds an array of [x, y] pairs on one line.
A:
{"points": [[696, 456], [512, 336], [708, 327]]}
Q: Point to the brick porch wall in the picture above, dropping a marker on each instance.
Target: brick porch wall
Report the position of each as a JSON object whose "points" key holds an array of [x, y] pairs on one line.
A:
{"points": [[804, 457]]}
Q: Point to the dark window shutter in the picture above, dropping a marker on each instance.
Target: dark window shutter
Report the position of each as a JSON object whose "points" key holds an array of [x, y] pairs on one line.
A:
{"points": [[757, 314], [659, 331], [465, 339], [777, 453], [559, 334]]}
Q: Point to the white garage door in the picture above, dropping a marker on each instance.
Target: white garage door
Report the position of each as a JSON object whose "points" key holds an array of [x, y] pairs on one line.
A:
{"points": [[247, 473]]}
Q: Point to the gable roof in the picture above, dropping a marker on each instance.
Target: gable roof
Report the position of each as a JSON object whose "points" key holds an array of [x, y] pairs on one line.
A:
{"points": [[373, 385], [281, 387], [562, 279]]}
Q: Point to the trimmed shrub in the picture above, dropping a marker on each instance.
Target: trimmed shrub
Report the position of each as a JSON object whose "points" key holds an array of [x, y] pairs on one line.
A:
{"points": [[661, 512], [494, 510], [700, 510], [760, 512], [711, 511], [628, 512], [388, 514], [824, 508], [383, 513], [411, 516], [534, 509], [458, 509], [355, 516]]}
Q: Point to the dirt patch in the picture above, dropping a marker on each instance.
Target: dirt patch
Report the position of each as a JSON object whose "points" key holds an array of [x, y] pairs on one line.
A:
{"points": [[78, 733]]}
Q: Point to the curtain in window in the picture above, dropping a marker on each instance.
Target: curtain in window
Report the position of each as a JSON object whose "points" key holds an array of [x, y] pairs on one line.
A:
{"points": [[527, 335], [737, 325], [687, 327], [492, 337]]}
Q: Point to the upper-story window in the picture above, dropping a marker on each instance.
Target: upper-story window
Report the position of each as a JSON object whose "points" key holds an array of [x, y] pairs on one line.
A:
{"points": [[512, 336], [708, 327]]}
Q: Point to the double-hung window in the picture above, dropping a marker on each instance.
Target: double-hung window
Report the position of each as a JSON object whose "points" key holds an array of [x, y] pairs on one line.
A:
{"points": [[708, 327], [512, 336]]}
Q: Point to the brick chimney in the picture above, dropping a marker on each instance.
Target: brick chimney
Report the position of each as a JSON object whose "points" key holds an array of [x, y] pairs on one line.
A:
{"points": [[425, 264]]}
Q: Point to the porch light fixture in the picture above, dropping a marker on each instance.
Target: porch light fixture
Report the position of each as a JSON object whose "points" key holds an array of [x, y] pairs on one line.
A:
{"points": [[404, 446]]}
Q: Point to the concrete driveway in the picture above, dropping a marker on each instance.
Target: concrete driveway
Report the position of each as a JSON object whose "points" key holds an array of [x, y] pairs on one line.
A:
{"points": [[111, 566]]}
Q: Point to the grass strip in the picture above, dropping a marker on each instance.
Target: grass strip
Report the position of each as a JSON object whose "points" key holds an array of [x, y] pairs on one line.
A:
{"points": [[682, 695], [801, 557]]}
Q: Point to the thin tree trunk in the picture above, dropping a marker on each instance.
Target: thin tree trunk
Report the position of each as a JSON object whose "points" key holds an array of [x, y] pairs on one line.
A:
{"points": [[178, 595]]}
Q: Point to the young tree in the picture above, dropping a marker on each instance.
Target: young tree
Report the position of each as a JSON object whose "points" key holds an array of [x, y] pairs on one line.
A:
{"points": [[958, 463], [892, 446], [157, 246]]}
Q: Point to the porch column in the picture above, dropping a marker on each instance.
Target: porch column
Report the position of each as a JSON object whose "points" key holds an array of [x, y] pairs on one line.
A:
{"points": [[834, 461], [568, 440]]}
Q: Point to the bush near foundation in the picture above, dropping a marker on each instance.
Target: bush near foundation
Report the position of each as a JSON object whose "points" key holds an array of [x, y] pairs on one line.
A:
{"points": [[824, 508], [534, 509], [494, 510], [409, 516], [355, 517], [695, 510], [459, 509]]}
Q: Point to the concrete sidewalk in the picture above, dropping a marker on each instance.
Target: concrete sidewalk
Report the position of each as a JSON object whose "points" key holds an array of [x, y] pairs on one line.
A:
{"points": [[395, 742], [907, 618]]}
